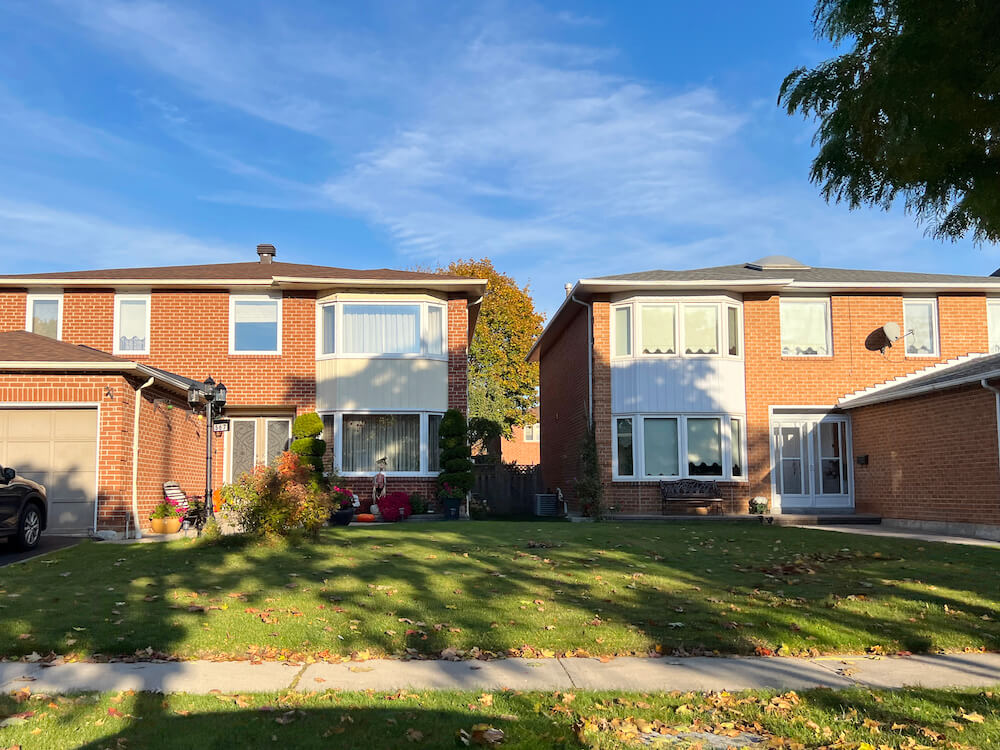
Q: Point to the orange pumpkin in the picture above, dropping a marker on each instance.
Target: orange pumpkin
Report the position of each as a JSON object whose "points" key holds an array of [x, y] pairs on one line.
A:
{"points": [[364, 517], [217, 500]]}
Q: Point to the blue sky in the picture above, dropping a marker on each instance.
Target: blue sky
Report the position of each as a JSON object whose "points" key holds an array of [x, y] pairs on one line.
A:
{"points": [[562, 140]]}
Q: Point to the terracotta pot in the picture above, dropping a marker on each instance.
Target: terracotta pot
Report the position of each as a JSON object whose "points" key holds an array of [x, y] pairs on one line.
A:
{"points": [[165, 525]]}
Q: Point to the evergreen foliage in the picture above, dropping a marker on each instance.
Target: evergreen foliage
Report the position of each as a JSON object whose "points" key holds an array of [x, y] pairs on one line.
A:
{"points": [[456, 461]]}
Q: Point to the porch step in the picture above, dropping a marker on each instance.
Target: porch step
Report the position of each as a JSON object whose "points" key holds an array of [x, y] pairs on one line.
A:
{"points": [[826, 519]]}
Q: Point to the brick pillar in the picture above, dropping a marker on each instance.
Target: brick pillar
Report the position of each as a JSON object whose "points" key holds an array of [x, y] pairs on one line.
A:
{"points": [[602, 388], [458, 355]]}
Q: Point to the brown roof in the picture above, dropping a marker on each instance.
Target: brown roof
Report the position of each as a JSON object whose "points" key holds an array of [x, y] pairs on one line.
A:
{"points": [[21, 346], [249, 271]]}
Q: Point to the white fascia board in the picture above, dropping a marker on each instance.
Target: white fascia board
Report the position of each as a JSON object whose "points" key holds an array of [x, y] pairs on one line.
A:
{"points": [[868, 286], [883, 392], [7, 365]]}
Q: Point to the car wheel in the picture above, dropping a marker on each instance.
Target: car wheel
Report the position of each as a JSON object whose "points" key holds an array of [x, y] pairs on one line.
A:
{"points": [[29, 530]]}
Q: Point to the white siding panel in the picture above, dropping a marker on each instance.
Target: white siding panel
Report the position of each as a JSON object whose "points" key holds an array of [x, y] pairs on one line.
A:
{"points": [[344, 384], [678, 384]]}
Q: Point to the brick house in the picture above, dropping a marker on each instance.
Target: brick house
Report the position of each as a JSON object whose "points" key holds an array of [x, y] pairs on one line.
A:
{"points": [[734, 374], [523, 447], [380, 354]]}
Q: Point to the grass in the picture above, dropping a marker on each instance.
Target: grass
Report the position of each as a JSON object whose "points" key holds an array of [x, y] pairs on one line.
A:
{"points": [[604, 589], [817, 718]]}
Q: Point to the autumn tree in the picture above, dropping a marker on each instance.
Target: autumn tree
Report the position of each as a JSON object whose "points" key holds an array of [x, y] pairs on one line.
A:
{"points": [[911, 111], [503, 387]]}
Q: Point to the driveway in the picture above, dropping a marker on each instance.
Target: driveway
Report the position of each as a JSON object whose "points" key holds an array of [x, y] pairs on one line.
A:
{"points": [[46, 545]]}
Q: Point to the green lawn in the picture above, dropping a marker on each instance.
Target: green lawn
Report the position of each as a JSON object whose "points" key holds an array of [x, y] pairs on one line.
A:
{"points": [[812, 719], [533, 588]]}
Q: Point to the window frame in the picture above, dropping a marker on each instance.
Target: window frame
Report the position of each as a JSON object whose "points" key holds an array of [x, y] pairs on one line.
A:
{"points": [[992, 335], [423, 321], [535, 434], [936, 321], [234, 299], [33, 297], [639, 447], [782, 301], [635, 307], [116, 343], [337, 447], [637, 329]]}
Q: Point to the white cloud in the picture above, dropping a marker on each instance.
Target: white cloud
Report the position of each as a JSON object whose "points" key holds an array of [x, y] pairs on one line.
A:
{"points": [[40, 238]]}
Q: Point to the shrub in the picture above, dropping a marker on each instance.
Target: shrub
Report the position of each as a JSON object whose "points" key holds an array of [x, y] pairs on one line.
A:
{"points": [[167, 509], [307, 425], [278, 500], [395, 506], [589, 490], [212, 532], [418, 503], [307, 445], [456, 462]]}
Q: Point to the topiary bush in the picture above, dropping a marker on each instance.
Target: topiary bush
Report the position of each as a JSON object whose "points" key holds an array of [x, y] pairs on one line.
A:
{"points": [[308, 446], [307, 425], [456, 456]]}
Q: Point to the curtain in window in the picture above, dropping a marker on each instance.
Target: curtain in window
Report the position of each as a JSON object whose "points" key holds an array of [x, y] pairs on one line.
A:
{"points": [[45, 317], [369, 437], [433, 442], [626, 460], [381, 329], [623, 331], [660, 447], [435, 328], [736, 440], [256, 325], [658, 324], [132, 319], [993, 313], [804, 328], [329, 328], [704, 447], [701, 329], [734, 331], [919, 318]]}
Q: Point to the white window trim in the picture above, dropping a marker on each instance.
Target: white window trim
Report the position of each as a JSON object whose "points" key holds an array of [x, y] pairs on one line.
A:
{"points": [[259, 440], [993, 336], [115, 344], [829, 326], [233, 299], [535, 433], [338, 442], [932, 301], [639, 447], [422, 322], [44, 297], [636, 306]]}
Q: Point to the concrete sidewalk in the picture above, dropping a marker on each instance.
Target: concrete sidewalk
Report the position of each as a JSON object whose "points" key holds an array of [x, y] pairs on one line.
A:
{"points": [[626, 673]]}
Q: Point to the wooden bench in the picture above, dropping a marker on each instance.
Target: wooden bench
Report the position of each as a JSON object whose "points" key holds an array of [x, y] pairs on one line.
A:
{"points": [[693, 495]]}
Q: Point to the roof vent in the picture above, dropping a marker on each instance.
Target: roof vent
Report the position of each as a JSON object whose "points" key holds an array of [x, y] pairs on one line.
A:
{"points": [[266, 253], [775, 263]]}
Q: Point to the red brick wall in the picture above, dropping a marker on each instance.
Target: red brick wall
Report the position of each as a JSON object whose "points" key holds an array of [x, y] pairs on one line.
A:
{"points": [[458, 355], [13, 309], [518, 450], [930, 458], [563, 391]]}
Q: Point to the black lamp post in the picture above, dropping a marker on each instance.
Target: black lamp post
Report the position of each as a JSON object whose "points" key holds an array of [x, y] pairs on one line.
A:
{"points": [[214, 399]]}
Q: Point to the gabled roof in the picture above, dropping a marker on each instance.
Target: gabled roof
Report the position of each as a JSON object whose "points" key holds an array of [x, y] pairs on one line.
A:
{"points": [[971, 368], [24, 351]]}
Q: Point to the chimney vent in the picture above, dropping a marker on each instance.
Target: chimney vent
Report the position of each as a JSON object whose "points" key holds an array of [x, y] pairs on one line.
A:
{"points": [[568, 288], [266, 253]]}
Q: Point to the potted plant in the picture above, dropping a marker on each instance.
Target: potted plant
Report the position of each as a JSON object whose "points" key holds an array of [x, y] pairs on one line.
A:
{"points": [[758, 505], [451, 500], [343, 506], [165, 518]]}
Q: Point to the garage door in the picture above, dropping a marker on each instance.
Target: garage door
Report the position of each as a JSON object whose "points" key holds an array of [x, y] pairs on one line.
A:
{"points": [[58, 448]]}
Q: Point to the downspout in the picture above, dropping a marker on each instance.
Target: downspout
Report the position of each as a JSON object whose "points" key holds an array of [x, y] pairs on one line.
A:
{"points": [[135, 457], [590, 360], [996, 392]]}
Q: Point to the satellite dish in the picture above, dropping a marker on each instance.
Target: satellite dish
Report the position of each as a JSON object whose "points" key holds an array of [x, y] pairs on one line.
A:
{"points": [[883, 338]]}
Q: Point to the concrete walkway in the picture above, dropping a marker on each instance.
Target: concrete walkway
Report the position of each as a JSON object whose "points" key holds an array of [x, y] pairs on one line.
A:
{"points": [[645, 675], [902, 533]]}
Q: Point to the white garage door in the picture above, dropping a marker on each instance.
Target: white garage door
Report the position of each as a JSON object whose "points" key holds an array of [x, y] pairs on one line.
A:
{"points": [[57, 448]]}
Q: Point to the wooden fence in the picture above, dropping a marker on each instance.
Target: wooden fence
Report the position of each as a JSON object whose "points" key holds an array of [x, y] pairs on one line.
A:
{"points": [[508, 489]]}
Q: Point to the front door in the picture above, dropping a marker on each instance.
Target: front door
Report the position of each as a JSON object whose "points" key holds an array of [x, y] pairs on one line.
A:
{"points": [[255, 440], [810, 464]]}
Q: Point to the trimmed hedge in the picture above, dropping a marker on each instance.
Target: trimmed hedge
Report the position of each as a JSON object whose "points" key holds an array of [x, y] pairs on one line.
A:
{"points": [[307, 425]]}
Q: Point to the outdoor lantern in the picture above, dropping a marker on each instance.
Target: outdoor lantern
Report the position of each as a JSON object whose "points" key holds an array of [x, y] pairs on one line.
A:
{"points": [[220, 393], [209, 388], [194, 397]]}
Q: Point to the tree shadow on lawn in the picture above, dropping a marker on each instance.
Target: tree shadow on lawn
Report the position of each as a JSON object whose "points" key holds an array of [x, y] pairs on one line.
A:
{"points": [[472, 579]]}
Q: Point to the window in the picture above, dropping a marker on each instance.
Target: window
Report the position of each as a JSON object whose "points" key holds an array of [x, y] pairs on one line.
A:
{"points": [[366, 438], [531, 433], [736, 445], [623, 331], [659, 329], [255, 324], [131, 324], [733, 329], [805, 327], [701, 329], [920, 327], [993, 323], [626, 462], [660, 447], [44, 315], [434, 443], [704, 446], [381, 329], [435, 329], [328, 327], [256, 440]]}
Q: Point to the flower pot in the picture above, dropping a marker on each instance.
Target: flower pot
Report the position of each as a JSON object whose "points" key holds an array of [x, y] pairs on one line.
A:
{"points": [[165, 525], [452, 505], [342, 517]]}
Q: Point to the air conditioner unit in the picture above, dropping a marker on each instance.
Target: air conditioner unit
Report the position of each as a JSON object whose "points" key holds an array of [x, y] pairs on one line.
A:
{"points": [[547, 505]]}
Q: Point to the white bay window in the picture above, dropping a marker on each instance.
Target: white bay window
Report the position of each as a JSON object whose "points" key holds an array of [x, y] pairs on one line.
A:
{"points": [[407, 441], [696, 327], [656, 447], [701, 329], [381, 329]]}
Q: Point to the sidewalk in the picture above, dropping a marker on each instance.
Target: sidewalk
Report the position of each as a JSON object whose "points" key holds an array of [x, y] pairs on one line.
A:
{"points": [[626, 673], [903, 533]]}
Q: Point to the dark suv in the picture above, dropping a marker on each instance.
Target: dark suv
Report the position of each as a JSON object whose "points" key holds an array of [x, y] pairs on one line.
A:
{"points": [[23, 509]]}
